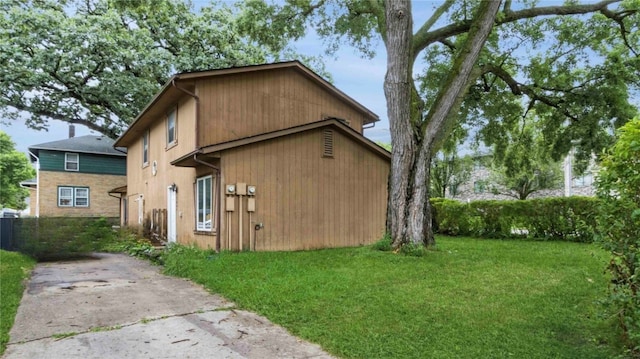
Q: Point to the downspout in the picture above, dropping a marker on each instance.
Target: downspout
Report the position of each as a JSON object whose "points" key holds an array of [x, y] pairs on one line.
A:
{"points": [[218, 199], [37, 183], [195, 157], [197, 99], [120, 205]]}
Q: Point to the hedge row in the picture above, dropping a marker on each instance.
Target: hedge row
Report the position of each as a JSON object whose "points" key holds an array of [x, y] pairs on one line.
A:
{"points": [[558, 218], [48, 238]]}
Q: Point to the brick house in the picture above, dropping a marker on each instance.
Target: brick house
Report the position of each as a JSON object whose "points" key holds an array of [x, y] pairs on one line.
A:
{"points": [[75, 176]]}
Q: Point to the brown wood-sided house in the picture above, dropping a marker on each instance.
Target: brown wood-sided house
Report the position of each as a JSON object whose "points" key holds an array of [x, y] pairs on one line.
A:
{"points": [[266, 157]]}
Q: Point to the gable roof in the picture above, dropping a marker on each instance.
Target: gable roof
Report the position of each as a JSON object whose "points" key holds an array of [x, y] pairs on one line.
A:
{"points": [[99, 145], [169, 93], [188, 159]]}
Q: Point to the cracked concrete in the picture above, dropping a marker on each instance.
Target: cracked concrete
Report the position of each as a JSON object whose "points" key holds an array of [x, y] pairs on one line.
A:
{"points": [[115, 306]]}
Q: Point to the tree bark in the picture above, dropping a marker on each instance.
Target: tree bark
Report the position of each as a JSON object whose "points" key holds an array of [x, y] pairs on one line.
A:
{"points": [[409, 217], [397, 90]]}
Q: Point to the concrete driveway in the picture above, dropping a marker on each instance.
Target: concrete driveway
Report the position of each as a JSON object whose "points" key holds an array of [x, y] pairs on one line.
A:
{"points": [[115, 306]]}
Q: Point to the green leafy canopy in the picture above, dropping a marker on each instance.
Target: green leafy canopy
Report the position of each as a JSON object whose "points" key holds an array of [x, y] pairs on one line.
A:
{"points": [[98, 62], [14, 168]]}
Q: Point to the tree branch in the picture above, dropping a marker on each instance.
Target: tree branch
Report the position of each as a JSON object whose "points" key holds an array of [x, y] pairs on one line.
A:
{"points": [[519, 89], [424, 30], [457, 83], [619, 18], [421, 42], [109, 132]]}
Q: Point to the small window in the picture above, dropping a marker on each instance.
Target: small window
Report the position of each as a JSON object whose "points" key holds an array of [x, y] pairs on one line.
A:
{"points": [[71, 161], [171, 127], [65, 196], [479, 187], [204, 204], [81, 197], [327, 143], [145, 148], [583, 181], [73, 197]]}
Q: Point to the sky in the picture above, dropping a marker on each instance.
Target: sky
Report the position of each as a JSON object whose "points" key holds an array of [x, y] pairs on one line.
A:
{"points": [[358, 77]]}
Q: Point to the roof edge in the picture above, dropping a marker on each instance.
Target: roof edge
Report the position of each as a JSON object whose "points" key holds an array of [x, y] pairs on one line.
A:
{"points": [[234, 70], [182, 161], [120, 154]]}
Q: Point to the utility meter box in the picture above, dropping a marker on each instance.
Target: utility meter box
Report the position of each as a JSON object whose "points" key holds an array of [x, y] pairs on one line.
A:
{"points": [[251, 204], [230, 205], [241, 189]]}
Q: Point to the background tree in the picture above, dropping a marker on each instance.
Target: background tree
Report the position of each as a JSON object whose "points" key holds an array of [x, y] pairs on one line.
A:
{"points": [[14, 168], [448, 172], [524, 166], [449, 167], [98, 62], [555, 72]]}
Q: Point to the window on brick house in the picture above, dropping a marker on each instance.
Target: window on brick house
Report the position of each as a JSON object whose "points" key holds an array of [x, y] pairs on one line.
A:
{"points": [[479, 186], [69, 196]]}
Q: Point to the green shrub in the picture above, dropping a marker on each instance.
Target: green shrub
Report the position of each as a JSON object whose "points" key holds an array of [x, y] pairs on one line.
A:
{"points": [[560, 218], [49, 238], [384, 244], [618, 185], [413, 250]]}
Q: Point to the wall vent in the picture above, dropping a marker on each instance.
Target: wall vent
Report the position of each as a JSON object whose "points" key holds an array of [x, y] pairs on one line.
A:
{"points": [[327, 143]]}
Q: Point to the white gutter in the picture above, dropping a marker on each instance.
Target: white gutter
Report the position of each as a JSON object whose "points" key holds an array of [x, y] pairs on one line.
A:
{"points": [[37, 183]]}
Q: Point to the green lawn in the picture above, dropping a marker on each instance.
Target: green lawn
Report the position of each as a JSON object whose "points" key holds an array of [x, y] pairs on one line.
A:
{"points": [[14, 268], [468, 299]]}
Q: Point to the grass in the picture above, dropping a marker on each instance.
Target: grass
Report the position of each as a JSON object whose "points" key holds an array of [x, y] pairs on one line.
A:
{"points": [[467, 299], [14, 269]]}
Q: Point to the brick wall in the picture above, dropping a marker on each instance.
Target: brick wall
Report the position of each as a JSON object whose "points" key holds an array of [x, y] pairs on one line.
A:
{"points": [[100, 203]]}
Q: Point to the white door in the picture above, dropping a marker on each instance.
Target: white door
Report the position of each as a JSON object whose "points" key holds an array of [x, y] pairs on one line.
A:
{"points": [[171, 213]]}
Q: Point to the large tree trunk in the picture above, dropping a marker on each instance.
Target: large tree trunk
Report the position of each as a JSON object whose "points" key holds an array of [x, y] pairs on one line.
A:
{"points": [[414, 142], [397, 90]]}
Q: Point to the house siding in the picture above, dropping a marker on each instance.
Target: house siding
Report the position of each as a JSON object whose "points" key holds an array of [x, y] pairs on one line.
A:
{"points": [[100, 203], [243, 105], [305, 200], [153, 188], [89, 163]]}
